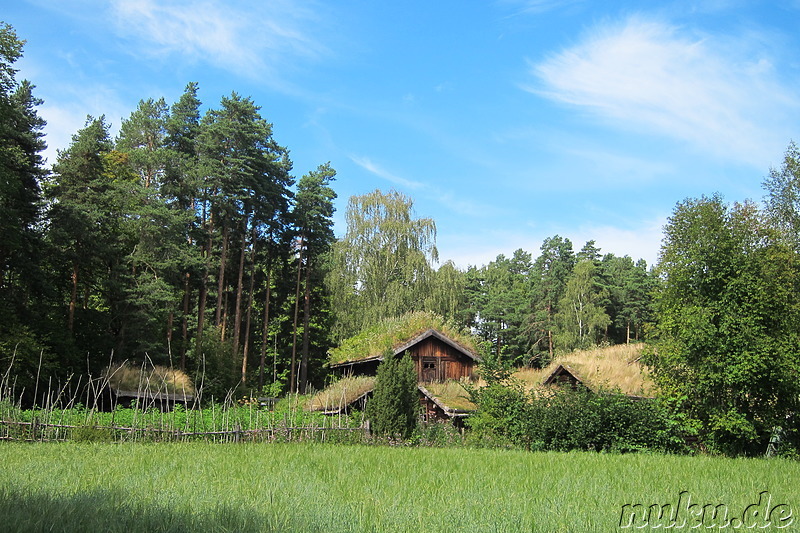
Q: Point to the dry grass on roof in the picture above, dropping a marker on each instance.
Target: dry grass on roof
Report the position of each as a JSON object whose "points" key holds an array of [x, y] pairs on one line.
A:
{"points": [[612, 367], [389, 334], [452, 394], [342, 393], [155, 379]]}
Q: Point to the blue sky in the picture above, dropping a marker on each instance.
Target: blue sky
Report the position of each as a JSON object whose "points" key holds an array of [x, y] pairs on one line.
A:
{"points": [[507, 121]]}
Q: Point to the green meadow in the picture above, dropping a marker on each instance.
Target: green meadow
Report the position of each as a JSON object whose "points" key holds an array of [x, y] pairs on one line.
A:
{"points": [[131, 487]]}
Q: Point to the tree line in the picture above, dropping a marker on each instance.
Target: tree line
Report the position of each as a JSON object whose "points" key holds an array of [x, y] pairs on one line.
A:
{"points": [[186, 240]]}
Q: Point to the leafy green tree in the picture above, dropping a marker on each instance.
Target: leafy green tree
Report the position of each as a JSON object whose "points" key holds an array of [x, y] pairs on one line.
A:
{"points": [[160, 253], [581, 318], [21, 170], [448, 295], [783, 197], [393, 408], [244, 196], [549, 279], [502, 319], [728, 349], [83, 227], [629, 288], [25, 284], [382, 266]]}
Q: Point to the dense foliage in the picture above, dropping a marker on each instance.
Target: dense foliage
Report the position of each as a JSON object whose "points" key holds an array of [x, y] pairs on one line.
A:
{"points": [[728, 351], [393, 409], [566, 419]]}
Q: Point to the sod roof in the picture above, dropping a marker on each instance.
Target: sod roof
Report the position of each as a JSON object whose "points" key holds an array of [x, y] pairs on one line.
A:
{"points": [[397, 334], [337, 396], [129, 380], [610, 368]]}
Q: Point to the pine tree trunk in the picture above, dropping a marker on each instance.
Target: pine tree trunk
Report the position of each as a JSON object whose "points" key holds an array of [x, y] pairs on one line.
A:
{"points": [[292, 386], [185, 320], [549, 332], [73, 297], [203, 298], [306, 321], [237, 316], [246, 349], [170, 320], [265, 331], [221, 278]]}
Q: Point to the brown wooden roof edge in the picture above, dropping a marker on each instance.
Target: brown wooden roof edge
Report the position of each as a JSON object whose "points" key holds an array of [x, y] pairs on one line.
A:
{"points": [[442, 337], [173, 397], [351, 362], [408, 344], [452, 413]]}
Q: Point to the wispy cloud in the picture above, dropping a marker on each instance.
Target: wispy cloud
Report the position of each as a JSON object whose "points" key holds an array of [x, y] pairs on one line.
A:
{"points": [[715, 93], [447, 198], [537, 7], [247, 38], [373, 168]]}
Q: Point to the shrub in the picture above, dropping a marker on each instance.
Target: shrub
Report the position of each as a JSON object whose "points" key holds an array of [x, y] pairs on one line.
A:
{"points": [[567, 419], [392, 411]]}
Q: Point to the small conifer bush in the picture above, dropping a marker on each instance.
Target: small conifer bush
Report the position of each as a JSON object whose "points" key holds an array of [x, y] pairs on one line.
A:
{"points": [[392, 411]]}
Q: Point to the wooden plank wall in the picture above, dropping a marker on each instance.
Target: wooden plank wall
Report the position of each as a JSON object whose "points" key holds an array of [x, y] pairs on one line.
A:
{"points": [[452, 363]]}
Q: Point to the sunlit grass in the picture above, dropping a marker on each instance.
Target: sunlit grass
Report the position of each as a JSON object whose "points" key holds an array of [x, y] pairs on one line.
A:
{"points": [[388, 334], [341, 393], [331, 488], [612, 367], [452, 394]]}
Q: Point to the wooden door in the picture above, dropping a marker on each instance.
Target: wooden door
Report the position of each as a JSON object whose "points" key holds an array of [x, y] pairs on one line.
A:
{"points": [[430, 369]]}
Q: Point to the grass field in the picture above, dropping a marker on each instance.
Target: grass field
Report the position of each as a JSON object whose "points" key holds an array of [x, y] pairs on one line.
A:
{"points": [[331, 488]]}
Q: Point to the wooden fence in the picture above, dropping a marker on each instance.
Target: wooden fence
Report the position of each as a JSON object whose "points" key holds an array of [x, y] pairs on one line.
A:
{"points": [[36, 431]]}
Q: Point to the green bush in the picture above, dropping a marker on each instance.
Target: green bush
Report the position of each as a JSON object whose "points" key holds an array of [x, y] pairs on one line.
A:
{"points": [[392, 411], [567, 419]]}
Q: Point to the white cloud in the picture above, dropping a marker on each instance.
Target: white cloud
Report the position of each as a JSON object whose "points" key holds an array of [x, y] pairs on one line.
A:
{"points": [[430, 193], [538, 7], [643, 242], [371, 167], [66, 117], [247, 39], [482, 246], [647, 76]]}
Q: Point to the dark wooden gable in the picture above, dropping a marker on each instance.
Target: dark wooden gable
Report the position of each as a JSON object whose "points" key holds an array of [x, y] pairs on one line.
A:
{"points": [[437, 357], [563, 375]]}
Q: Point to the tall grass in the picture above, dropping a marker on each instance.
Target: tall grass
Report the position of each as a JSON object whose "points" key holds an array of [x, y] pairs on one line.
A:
{"points": [[309, 488], [611, 368]]}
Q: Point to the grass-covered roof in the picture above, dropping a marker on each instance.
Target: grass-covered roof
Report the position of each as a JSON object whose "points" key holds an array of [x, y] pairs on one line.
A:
{"points": [[342, 393], [612, 368], [155, 379], [390, 334]]}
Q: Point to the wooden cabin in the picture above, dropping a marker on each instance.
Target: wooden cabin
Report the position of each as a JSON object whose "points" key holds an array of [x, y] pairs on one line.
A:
{"points": [[436, 358]]}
